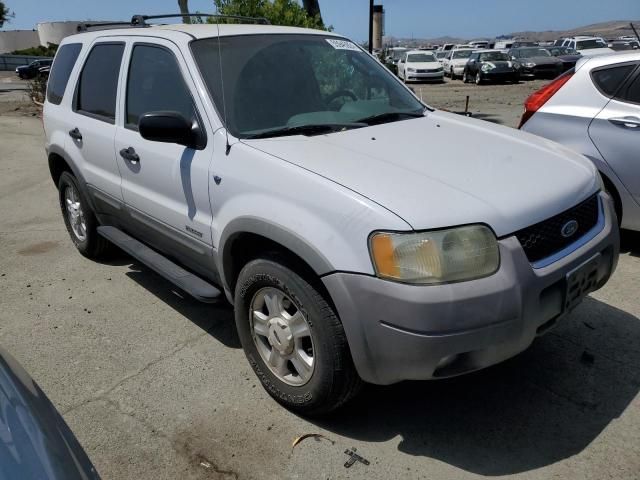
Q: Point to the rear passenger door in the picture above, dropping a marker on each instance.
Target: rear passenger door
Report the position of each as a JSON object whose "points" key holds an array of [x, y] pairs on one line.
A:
{"points": [[92, 121], [166, 186], [616, 129]]}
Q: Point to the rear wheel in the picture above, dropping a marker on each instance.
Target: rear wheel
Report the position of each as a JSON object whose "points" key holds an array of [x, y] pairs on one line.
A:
{"points": [[465, 77], [293, 339], [478, 79], [452, 75], [80, 221]]}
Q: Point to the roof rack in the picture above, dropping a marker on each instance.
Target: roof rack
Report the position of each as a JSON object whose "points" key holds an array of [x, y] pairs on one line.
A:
{"points": [[84, 27], [140, 20]]}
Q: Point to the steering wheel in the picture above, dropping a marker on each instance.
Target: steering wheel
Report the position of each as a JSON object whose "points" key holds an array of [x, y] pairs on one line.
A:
{"points": [[341, 93]]}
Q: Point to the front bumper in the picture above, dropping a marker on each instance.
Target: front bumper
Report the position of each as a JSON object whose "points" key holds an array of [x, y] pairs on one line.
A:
{"points": [[500, 76], [408, 332], [416, 76]]}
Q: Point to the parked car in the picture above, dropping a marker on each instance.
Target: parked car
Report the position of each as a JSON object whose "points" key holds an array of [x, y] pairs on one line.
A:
{"points": [[522, 44], [479, 44], [316, 201], [568, 56], [418, 65], [536, 62], [622, 45], [35, 441], [394, 54], [490, 66], [441, 55], [447, 46], [27, 72], [587, 46], [454, 63], [595, 110], [503, 44]]}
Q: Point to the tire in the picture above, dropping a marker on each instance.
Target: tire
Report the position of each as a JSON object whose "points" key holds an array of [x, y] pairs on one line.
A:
{"points": [[478, 79], [91, 245], [452, 75], [333, 379], [465, 77]]}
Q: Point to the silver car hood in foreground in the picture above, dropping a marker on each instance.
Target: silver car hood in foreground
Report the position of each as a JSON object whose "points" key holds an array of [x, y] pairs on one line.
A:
{"points": [[445, 170]]}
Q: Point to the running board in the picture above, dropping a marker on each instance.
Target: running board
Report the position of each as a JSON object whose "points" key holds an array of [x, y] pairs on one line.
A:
{"points": [[187, 281]]}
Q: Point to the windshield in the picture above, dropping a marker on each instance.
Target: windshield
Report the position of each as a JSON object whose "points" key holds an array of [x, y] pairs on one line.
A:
{"points": [[462, 54], [421, 57], [396, 54], [534, 52], [493, 57], [589, 44], [442, 54], [280, 81]]}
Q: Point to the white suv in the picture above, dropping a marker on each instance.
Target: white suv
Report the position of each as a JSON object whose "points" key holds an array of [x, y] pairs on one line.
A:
{"points": [[288, 171], [587, 46]]}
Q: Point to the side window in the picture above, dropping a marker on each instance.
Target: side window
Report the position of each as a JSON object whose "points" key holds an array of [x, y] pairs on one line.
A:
{"points": [[98, 83], [61, 70], [608, 80], [633, 92], [155, 83]]}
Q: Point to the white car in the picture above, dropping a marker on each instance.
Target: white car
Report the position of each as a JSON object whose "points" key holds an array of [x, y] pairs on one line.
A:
{"points": [[320, 202], [455, 62], [588, 46], [416, 65]]}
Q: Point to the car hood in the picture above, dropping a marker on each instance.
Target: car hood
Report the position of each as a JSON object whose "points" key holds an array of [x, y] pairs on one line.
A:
{"points": [[569, 58], [458, 62], [540, 60], [422, 65], [503, 177]]}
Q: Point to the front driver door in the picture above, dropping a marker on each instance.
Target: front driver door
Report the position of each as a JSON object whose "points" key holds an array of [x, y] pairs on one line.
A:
{"points": [[165, 186]]}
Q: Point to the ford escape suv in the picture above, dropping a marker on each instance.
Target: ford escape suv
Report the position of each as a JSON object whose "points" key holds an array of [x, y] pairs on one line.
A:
{"points": [[288, 171]]}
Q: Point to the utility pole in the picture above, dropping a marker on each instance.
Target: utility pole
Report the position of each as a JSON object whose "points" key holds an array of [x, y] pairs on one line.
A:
{"points": [[370, 26]]}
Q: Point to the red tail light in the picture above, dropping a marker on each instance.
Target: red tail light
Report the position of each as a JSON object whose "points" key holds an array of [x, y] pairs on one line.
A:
{"points": [[537, 99]]}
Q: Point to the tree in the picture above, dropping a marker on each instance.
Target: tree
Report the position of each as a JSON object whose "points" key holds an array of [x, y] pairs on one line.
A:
{"points": [[278, 12], [183, 5], [5, 14], [312, 8]]}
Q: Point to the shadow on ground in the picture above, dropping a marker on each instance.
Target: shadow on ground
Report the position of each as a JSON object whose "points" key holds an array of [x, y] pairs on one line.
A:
{"points": [[488, 117], [630, 243], [217, 319], [541, 407]]}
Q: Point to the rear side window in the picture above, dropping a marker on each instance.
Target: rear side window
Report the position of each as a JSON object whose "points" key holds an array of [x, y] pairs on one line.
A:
{"points": [[98, 83], [633, 92], [608, 80], [61, 70], [155, 83]]}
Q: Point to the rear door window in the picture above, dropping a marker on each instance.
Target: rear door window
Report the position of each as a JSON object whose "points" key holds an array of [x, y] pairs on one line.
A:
{"points": [[608, 80], [98, 83], [633, 91], [61, 70]]}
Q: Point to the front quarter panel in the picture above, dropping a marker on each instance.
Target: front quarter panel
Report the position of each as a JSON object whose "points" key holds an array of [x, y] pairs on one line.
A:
{"points": [[324, 223]]}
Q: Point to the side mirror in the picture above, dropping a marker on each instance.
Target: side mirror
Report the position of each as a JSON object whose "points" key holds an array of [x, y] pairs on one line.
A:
{"points": [[169, 127]]}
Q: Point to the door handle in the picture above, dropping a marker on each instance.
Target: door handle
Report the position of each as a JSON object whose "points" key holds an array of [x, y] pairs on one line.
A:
{"points": [[130, 155], [75, 134], [627, 122]]}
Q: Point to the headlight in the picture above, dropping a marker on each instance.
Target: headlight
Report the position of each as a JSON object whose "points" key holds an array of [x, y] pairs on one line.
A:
{"points": [[455, 254], [412, 70], [487, 67], [529, 64]]}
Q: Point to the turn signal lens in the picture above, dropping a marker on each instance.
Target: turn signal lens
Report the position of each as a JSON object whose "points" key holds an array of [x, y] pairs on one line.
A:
{"points": [[457, 254]]}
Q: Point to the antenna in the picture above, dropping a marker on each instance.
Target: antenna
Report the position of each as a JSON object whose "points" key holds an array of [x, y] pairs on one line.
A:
{"points": [[224, 101]]}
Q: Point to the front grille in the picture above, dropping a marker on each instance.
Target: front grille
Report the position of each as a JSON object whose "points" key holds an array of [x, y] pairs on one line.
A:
{"points": [[546, 238], [428, 70]]}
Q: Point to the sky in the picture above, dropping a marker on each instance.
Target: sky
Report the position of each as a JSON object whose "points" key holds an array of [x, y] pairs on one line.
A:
{"points": [[404, 18]]}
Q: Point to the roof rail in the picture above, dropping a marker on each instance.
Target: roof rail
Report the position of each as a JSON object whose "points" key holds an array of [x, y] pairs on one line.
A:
{"points": [[84, 27], [140, 20]]}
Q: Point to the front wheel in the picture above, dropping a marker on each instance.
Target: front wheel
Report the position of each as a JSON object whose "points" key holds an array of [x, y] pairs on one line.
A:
{"points": [[452, 75], [293, 339], [465, 77], [478, 79]]}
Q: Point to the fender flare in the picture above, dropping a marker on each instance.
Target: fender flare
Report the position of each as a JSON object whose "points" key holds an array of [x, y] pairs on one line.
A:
{"points": [[82, 183]]}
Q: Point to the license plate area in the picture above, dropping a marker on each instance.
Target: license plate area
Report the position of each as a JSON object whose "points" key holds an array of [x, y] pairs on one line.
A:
{"points": [[581, 281]]}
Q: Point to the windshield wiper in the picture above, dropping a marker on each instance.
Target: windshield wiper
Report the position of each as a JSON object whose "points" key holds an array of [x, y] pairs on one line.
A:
{"points": [[311, 129], [389, 117]]}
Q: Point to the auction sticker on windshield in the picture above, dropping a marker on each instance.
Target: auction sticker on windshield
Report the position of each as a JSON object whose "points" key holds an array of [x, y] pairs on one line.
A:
{"points": [[343, 45]]}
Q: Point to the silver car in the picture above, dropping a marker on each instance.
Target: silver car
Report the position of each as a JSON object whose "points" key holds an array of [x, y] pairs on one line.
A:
{"points": [[595, 110]]}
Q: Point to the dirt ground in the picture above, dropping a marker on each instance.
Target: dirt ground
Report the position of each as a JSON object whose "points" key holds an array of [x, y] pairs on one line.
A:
{"points": [[156, 386]]}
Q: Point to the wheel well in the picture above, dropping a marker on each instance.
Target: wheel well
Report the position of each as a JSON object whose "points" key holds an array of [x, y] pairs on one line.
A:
{"points": [[244, 247], [611, 189], [57, 165]]}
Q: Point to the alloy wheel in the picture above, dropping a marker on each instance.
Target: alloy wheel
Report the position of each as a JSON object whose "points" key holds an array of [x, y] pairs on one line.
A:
{"points": [[75, 213], [282, 336]]}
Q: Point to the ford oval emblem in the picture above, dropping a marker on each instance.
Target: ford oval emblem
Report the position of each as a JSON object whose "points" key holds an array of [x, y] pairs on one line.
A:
{"points": [[569, 228]]}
